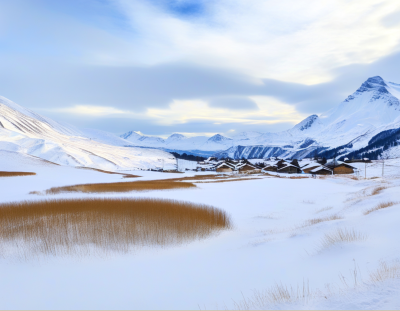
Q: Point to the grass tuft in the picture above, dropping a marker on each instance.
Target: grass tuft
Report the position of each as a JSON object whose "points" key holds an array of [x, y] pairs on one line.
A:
{"points": [[316, 221], [380, 206], [378, 190], [341, 236], [386, 272], [87, 226]]}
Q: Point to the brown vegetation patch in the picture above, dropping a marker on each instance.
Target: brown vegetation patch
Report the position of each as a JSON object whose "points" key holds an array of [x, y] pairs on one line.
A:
{"points": [[341, 236], [227, 180], [13, 174], [145, 185], [378, 190], [315, 221], [108, 172], [385, 272], [90, 226], [380, 206]]}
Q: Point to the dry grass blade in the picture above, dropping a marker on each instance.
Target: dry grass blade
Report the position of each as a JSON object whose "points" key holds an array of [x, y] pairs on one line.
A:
{"points": [[380, 206], [275, 296], [13, 174], [378, 190], [385, 272], [341, 236], [78, 227], [315, 221], [121, 187], [324, 209]]}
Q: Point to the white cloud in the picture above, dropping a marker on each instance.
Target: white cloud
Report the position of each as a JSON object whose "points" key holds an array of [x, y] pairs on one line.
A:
{"points": [[93, 110], [185, 111], [288, 40]]}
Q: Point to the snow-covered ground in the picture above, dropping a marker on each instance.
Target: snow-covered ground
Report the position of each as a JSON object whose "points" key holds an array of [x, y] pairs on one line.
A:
{"points": [[276, 240]]}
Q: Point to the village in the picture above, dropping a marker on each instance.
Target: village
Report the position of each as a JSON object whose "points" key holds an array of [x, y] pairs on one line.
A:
{"points": [[312, 166]]}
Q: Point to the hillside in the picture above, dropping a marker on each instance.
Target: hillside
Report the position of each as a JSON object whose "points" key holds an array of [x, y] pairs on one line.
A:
{"points": [[26, 132]]}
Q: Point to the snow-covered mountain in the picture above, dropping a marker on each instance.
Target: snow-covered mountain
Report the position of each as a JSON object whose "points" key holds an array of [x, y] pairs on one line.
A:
{"points": [[24, 131], [345, 129]]}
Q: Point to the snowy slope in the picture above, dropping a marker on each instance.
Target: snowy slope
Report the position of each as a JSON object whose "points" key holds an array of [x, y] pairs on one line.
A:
{"points": [[26, 132]]}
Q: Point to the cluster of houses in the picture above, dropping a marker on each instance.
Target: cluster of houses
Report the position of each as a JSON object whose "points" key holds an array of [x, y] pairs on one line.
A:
{"points": [[319, 167], [228, 166]]}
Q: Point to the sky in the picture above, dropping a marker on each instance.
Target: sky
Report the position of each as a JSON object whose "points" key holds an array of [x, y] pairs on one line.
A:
{"points": [[196, 67]]}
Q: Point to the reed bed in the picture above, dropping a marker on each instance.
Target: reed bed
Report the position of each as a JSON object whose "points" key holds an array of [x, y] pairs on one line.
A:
{"points": [[13, 174], [146, 185], [380, 206], [91, 226]]}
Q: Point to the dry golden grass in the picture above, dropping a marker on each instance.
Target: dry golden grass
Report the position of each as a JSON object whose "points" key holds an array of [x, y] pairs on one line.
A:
{"points": [[90, 226], [145, 185], [277, 294], [108, 172], [378, 190], [324, 209], [316, 221], [341, 236], [385, 272], [380, 206], [227, 180], [13, 174]]}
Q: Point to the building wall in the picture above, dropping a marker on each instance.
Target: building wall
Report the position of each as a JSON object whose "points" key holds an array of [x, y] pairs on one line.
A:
{"points": [[323, 172], [343, 170], [224, 169]]}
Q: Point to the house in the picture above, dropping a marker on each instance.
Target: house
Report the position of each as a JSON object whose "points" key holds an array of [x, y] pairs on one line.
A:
{"points": [[225, 168], [321, 170], [290, 169], [309, 167], [270, 168], [339, 167], [247, 168]]}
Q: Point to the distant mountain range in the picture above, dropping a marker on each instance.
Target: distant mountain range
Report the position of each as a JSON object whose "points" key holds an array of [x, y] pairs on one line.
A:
{"points": [[351, 128], [365, 124]]}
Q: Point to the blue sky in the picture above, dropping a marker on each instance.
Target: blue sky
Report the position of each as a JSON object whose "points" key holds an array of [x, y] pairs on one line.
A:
{"points": [[193, 67]]}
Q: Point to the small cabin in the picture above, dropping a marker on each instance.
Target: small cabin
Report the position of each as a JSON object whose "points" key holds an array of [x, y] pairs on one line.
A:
{"points": [[308, 168], [225, 168], [271, 168], [247, 168], [321, 170], [289, 169], [343, 169]]}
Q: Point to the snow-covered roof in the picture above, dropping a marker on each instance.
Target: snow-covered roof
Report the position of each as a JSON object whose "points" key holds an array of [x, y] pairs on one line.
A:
{"points": [[244, 164], [287, 165], [319, 168], [226, 164]]}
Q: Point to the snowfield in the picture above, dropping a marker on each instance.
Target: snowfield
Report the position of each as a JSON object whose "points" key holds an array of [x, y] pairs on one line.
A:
{"points": [[283, 253]]}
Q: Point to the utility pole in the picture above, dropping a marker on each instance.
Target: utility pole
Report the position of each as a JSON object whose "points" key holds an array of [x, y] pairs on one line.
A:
{"points": [[365, 170], [383, 166]]}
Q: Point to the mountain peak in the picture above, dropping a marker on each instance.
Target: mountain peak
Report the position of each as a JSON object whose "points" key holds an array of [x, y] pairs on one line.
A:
{"points": [[177, 136], [218, 138], [373, 84], [131, 134], [306, 123]]}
